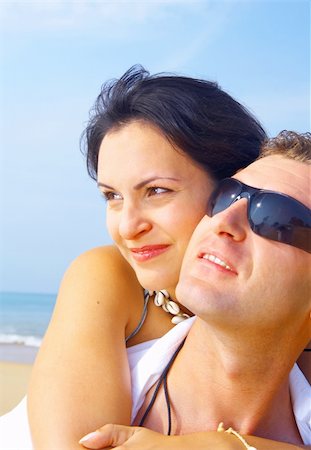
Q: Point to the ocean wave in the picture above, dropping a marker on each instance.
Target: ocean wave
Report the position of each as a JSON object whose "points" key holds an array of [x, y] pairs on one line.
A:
{"points": [[28, 341]]}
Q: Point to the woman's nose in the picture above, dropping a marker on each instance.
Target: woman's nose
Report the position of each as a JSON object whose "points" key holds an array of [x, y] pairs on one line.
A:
{"points": [[133, 222]]}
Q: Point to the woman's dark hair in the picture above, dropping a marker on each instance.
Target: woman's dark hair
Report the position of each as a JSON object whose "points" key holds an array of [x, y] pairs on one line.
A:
{"points": [[195, 115]]}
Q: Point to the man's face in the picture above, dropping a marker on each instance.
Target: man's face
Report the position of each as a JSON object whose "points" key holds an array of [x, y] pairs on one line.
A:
{"points": [[233, 277]]}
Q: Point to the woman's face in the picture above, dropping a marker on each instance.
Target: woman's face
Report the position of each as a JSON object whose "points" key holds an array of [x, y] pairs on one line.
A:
{"points": [[155, 198]]}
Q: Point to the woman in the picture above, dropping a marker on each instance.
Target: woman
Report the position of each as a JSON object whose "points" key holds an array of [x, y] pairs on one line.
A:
{"points": [[204, 135], [193, 133]]}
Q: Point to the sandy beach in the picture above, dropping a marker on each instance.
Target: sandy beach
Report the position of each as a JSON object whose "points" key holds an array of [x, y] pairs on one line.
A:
{"points": [[15, 369]]}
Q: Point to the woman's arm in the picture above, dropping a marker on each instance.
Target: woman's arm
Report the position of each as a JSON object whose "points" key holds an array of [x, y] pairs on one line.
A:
{"points": [[136, 438], [81, 376]]}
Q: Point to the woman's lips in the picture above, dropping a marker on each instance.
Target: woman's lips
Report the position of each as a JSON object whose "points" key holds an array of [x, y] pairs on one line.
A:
{"points": [[147, 252]]}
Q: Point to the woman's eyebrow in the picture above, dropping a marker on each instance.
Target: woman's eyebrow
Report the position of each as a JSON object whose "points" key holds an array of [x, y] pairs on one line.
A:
{"points": [[141, 184], [151, 179], [99, 184]]}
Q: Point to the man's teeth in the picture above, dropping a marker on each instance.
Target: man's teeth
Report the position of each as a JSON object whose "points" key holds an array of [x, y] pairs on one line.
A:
{"points": [[216, 260]]}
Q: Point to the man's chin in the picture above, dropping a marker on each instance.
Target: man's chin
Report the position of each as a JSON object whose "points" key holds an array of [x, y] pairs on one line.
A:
{"points": [[186, 292]]}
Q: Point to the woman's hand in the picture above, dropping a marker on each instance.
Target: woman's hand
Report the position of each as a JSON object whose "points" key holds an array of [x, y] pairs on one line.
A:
{"points": [[113, 436], [137, 438]]}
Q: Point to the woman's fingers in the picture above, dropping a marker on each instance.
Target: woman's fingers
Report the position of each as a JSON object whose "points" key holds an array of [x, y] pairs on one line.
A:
{"points": [[108, 436]]}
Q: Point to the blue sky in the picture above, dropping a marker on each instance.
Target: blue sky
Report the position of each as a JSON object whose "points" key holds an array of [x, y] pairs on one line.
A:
{"points": [[55, 56]]}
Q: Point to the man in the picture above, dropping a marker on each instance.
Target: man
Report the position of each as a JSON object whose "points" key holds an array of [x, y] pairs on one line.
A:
{"points": [[246, 276]]}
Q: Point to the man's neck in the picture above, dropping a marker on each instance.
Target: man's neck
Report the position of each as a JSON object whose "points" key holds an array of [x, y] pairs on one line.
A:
{"points": [[243, 383]]}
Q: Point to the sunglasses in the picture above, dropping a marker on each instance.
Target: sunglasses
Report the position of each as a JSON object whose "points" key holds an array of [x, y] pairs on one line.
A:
{"points": [[271, 214]]}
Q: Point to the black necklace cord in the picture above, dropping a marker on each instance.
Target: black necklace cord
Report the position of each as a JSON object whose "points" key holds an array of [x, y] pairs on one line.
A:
{"points": [[163, 379], [168, 406]]}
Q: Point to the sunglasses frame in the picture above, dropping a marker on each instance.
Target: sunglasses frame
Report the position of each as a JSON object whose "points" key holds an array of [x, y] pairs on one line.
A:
{"points": [[243, 190]]}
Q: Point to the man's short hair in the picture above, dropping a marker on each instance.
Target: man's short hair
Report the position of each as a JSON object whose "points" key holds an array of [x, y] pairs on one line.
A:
{"points": [[290, 145]]}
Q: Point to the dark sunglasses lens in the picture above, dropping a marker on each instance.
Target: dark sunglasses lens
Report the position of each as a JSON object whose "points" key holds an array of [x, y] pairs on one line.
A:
{"points": [[281, 219], [223, 196]]}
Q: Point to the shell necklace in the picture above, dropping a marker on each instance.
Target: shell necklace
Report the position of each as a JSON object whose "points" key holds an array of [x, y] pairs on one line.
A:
{"points": [[162, 298]]}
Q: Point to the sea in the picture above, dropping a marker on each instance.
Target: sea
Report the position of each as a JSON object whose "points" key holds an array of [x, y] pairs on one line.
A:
{"points": [[24, 318]]}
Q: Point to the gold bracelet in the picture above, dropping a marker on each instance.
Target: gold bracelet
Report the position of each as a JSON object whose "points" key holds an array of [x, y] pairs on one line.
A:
{"points": [[236, 434]]}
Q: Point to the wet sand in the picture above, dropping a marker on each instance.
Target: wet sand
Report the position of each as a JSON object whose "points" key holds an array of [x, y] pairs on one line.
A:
{"points": [[15, 369]]}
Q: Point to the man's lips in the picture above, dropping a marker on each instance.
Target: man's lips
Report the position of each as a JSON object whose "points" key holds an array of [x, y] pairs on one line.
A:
{"points": [[148, 251], [217, 261]]}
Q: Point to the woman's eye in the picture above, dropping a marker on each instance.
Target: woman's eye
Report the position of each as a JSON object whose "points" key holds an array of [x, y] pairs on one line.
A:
{"points": [[157, 190], [109, 196]]}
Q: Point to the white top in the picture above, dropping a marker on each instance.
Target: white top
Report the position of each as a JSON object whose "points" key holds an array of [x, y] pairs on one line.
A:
{"points": [[147, 361], [301, 400]]}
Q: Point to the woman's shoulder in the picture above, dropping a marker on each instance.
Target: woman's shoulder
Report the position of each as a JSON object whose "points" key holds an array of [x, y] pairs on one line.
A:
{"points": [[103, 273], [107, 253], [102, 281], [105, 260]]}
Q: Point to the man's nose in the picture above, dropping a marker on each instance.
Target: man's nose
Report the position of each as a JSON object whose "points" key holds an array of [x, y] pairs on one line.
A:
{"points": [[232, 221]]}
